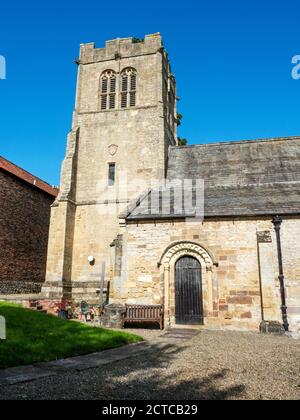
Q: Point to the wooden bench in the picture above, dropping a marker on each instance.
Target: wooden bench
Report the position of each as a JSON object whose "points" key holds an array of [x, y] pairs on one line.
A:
{"points": [[143, 314]]}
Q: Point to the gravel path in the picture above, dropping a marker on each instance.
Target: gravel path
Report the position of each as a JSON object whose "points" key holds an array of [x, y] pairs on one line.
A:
{"points": [[212, 365]]}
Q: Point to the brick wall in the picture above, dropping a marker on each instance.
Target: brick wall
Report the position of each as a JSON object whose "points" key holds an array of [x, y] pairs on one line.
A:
{"points": [[24, 225]]}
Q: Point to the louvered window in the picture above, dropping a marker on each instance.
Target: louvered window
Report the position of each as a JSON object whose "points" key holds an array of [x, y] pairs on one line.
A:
{"points": [[128, 88], [108, 90]]}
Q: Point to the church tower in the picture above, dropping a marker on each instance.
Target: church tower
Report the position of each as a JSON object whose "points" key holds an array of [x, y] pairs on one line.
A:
{"points": [[123, 124]]}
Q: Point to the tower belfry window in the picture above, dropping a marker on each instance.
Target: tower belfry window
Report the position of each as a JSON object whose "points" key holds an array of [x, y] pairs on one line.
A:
{"points": [[108, 90], [128, 88]]}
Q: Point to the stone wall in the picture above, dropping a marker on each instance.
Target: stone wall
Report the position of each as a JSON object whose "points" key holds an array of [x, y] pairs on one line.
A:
{"points": [[239, 271], [24, 225], [291, 259]]}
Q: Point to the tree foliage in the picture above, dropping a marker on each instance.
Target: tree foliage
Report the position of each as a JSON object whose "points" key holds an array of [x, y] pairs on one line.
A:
{"points": [[182, 141], [179, 119]]}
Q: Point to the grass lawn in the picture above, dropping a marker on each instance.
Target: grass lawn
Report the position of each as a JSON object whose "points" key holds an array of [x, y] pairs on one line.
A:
{"points": [[35, 337]]}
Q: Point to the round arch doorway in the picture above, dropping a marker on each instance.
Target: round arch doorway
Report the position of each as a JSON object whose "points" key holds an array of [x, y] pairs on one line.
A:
{"points": [[188, 291]]}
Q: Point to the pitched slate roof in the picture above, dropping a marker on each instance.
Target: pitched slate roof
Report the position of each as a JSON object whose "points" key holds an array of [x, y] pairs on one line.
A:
{"points": [[27, 177], [245, 178]]}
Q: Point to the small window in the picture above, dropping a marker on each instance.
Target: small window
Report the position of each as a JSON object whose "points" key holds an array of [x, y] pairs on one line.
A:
{"points": [[112, 101], [124, 82], [124, 100], [132, 98], [111, 174], [103, 102]]}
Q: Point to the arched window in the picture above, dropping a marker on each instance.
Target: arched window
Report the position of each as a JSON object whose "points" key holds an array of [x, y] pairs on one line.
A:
{"points": [[128, 88], [108, 90]]}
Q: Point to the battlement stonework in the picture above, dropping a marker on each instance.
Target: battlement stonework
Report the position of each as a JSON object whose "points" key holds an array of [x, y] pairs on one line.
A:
{"points": [[124, 47]]}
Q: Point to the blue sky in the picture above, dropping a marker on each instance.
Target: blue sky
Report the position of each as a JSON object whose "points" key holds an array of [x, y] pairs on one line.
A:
{"points": [[232, 60]]}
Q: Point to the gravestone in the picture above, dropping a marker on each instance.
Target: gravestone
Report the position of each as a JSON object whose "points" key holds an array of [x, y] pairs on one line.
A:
{"points": [[272, 327], [112, 316]]}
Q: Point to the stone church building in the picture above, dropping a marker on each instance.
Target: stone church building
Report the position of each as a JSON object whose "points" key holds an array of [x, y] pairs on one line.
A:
{"points": [[218, 247]]}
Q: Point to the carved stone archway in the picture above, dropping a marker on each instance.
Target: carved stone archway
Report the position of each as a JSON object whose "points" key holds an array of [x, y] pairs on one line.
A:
{"points": [[167, 264]]}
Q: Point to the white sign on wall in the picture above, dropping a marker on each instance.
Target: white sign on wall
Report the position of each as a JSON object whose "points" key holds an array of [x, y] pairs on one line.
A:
{"points": [[145, 279]]}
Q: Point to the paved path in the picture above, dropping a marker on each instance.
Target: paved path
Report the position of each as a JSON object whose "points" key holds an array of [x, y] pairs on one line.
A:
{"points": [[29, 373], [177, 365]]}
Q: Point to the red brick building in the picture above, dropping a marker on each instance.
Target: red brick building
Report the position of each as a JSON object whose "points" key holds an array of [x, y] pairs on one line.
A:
{"points": [[25, 202]]}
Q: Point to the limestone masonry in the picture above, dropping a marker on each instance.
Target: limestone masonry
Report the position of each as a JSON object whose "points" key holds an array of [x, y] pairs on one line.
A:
{"points": [[222, 269]]}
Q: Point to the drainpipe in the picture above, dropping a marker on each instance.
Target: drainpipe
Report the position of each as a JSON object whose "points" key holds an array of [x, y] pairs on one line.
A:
{"points": [[277, 222]]}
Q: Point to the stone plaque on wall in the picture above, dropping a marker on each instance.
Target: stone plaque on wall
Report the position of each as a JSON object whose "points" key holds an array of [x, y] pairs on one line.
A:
{"points": [[145, 279], [264, 236]]}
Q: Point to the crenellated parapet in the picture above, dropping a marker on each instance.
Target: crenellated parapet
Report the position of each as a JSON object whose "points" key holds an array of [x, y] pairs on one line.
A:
{"points": [[120, 48]]}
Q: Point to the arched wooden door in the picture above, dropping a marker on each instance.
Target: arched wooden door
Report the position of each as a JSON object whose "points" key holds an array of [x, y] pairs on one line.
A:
{"points": [[188, 290]]}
